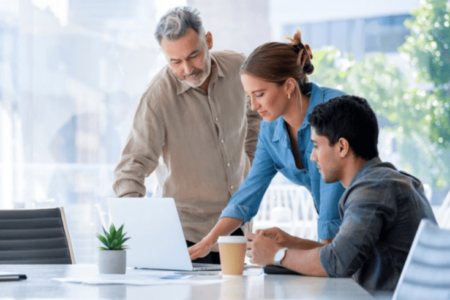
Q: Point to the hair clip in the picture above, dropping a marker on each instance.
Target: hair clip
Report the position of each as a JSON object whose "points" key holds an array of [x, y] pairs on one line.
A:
{"points": [[298, 47], [308, 68]]}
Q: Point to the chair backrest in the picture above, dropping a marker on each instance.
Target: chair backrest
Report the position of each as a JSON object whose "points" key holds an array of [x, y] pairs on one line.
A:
{"points": [[426, 274], [443, 216], [289, 207], [428, 191], [277, 196], [35, 236], [306, 225]]}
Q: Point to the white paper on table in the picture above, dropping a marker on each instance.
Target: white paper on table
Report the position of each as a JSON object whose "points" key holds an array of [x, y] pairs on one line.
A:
{"points": [[248, 271], [197, 275], [134, 280]]}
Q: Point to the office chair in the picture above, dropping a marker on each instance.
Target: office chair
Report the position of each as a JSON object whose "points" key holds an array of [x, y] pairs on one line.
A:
{"points": [[289, 207], [426, 274], [443, 215], [35, 236]]}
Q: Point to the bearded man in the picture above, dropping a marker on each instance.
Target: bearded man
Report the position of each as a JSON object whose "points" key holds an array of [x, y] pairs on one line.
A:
{"points": [[196, 118]]}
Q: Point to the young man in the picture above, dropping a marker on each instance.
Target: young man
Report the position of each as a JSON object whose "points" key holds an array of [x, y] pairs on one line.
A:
{"points": [[195, 116], [381, 208]]}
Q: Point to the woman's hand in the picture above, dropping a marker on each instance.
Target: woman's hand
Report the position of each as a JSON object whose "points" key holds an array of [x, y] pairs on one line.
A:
{"points": [[225, 226], [201, 249], [282, 238]]}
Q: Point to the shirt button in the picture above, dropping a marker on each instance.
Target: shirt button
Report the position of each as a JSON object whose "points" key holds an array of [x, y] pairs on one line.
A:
{"points": [[228, 164], [232, 187], [222, 141], [217, 119]]}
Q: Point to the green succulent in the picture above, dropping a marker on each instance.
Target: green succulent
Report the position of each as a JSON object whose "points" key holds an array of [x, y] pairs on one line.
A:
{"points": [[114, 239]]}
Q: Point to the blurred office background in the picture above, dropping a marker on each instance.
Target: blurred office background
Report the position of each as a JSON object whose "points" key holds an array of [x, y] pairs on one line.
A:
{"points": [[72, 73]]}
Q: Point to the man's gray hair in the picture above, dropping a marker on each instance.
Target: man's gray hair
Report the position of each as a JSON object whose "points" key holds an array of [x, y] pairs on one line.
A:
{"points": [[177, 21]]}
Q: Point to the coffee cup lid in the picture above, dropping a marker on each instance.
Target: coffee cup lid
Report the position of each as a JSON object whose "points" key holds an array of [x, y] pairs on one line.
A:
{"points": [[232, 239]]}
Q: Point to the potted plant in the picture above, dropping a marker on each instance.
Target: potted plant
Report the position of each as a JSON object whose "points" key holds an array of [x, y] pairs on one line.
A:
{"points": [[113, 259]]}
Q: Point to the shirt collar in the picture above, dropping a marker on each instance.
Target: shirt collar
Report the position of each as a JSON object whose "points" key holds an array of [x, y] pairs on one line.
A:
{"points": [[216, 71], [279, 131], [361, 170], [316, 98]]}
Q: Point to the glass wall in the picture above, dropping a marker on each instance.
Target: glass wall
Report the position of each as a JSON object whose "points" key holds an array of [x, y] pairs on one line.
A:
{"points": [[358, 36], [72, 73]]}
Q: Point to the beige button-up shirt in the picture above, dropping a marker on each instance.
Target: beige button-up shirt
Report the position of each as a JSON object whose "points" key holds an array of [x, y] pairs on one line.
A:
{"points": [[206, 141]]}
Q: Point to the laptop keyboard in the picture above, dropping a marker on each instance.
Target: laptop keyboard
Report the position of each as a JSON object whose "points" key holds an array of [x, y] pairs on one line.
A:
{"points": [[206, 267]]}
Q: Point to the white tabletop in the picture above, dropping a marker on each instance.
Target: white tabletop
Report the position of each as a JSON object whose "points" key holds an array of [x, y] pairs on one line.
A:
{"points": [[40, 285]]}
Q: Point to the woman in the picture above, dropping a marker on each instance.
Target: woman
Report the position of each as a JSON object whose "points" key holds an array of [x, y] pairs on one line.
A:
{"points": [[275, 78]]}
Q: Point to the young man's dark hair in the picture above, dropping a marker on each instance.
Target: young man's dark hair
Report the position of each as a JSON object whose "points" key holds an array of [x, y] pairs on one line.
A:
{"points": [[332, 120]]}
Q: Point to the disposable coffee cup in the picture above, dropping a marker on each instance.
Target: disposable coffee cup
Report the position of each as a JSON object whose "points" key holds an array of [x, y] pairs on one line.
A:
{"points": [[232, 254]]}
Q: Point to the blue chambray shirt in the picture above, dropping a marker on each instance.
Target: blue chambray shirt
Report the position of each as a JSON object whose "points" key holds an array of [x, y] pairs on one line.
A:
{"points": [[274, 154]]}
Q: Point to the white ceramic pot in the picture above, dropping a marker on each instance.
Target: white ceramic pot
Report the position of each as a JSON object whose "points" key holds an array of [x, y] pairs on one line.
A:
{"points": [[112, 262]]}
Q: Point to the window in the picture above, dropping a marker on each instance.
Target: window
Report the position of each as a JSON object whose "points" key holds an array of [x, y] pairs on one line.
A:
{"points": [[72, 73]]}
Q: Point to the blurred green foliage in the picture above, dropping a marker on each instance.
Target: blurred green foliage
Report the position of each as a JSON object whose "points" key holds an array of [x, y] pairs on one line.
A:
{"points": [[411, 101], [427, 51]]}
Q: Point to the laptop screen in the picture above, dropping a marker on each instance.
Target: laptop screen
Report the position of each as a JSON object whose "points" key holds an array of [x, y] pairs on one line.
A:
{"points": [[156, 236]]}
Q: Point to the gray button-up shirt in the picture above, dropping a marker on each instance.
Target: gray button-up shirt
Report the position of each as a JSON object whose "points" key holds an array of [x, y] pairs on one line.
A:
{"points": [[381, 211], [206, 141]]}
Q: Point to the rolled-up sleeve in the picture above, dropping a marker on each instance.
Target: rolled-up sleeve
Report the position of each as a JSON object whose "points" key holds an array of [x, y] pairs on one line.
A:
{"points": [[141, 153], [329, 218], [365, 212], [245, 202]]}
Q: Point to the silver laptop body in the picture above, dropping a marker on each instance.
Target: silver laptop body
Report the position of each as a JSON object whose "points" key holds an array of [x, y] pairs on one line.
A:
{"points": [[156, 236]]}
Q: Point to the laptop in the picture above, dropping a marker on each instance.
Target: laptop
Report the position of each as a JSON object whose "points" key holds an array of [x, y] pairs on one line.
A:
{"points": [[156, 236]]}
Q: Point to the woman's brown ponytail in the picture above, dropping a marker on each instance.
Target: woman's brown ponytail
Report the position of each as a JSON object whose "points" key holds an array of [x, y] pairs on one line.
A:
{"points": [[303, 58], [277, 62]]}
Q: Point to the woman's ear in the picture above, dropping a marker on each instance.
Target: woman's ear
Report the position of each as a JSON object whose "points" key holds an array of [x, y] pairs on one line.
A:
{"points": [[209, 40], [308, 49], [290, 85]]}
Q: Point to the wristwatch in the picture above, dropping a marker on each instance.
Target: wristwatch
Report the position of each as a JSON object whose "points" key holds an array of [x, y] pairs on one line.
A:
{"points": [[279, 255]]}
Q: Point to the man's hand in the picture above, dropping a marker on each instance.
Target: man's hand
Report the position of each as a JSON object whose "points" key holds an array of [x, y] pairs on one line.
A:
{"points": [[282, 238], [262, 249], [200, 249]]}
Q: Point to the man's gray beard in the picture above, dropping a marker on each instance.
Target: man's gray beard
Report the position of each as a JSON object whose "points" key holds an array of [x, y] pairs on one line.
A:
{"points": [[205, 75]]}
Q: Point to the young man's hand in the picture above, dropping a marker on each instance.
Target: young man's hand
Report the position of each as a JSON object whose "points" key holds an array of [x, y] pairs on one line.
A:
{"points": [[261, 249], [282, 238]]}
